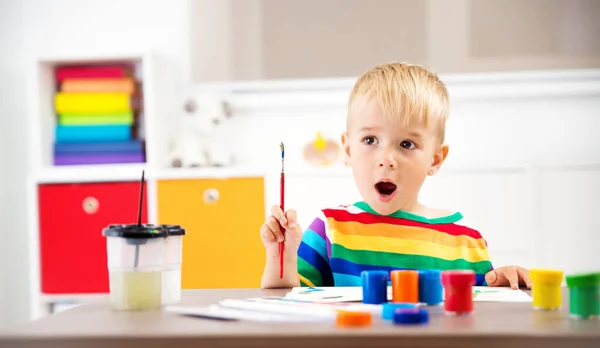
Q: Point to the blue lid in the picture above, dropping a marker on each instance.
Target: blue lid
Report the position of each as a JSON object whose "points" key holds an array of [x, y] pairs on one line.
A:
{"points": [[431, 274], [390, 307], [411, 316], [375, 274]]}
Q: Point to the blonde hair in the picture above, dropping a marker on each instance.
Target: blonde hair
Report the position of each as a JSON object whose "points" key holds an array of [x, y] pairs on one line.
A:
{"points": [[407, 93]]}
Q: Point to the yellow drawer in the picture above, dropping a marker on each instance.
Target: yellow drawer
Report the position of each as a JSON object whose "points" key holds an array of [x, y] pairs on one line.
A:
{"points": [[222, 218]]}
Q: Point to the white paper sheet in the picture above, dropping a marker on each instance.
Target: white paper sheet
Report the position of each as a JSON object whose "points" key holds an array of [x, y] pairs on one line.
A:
{"points": [[217, 312], [272, 309], [354, 293]]}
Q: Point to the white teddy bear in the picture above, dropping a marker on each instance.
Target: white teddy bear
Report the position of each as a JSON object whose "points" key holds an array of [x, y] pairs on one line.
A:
{"points": [[201, 141]]}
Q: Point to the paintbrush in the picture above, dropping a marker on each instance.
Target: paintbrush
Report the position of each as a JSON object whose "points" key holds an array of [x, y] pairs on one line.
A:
{"points": [[281, 204], [139, 220]]}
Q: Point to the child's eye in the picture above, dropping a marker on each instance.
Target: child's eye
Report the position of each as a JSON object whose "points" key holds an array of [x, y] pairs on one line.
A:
{"points": [[407, 144], [369, 140]]}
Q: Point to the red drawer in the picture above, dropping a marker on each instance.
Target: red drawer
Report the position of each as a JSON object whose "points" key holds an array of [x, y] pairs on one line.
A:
{"points": [[72, 248]]}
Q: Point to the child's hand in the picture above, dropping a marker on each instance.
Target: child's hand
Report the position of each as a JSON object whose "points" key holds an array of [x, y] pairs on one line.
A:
{"points": [[279, 227], [508, 275]]}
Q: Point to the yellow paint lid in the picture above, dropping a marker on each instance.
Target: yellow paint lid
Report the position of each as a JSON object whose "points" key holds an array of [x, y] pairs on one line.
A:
{"points": [[554, 276]]}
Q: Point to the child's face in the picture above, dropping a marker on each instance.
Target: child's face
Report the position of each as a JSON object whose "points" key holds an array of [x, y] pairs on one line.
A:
{"points": [[390, 162]]}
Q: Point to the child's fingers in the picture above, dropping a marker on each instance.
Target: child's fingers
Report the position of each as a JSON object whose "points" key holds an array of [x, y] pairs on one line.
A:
{"points": [[276, 211], [509, 275], [292, 221], [492, 278], [275, 229], [278, 214], [524, 275], [266, 234], [513, 277]]}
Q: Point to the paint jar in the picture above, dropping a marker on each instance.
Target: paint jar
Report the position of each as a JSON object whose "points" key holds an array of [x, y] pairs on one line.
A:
{"points": [[388, 309], [546, 288], [137, 264], [584, 295], [405, 286], [430, 287], [411, 316], [374, 286], [458, 288]]}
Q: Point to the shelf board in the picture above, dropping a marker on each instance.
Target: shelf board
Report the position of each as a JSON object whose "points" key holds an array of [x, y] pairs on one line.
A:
{"points": [[91, 58], [132, 172], [90, 173], [200, 173], [47, 298]]}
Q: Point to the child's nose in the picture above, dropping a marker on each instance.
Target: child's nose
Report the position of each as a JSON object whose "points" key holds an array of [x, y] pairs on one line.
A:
{"points": [[388, 160]]}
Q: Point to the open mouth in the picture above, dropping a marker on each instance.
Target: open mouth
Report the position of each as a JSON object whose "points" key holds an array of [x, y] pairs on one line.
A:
{"points": [[385, 188]]}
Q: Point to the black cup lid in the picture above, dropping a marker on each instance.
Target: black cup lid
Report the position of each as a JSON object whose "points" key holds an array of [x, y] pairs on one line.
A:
{"points": [[174, 230], [143, 231]]}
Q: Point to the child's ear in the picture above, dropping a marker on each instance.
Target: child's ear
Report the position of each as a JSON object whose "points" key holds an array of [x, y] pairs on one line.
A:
{"points": [[346, 146], [438, 158]]}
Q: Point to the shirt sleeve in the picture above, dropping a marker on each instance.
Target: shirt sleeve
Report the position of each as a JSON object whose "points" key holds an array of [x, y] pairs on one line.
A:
{"points": [[481, 281], [313, 260]]}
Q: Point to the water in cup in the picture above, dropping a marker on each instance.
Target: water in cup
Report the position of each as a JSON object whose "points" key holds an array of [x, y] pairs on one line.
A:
{"points": [[144, 265]]}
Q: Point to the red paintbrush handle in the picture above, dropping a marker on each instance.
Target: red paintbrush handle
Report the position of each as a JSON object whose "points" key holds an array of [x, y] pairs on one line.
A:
{"points": [[281, 260], [281, 245], [282, 191]]}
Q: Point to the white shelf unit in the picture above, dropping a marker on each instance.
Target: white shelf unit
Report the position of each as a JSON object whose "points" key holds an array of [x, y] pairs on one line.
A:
{"points": [[42, 120]]}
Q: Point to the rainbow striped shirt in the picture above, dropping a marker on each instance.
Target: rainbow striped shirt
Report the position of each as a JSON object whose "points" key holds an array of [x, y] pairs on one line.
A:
{"points": [[344, 241]]}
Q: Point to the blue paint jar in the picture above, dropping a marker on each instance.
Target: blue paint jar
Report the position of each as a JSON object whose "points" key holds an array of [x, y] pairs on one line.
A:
{"points": [[430, 287], [374, 286]]}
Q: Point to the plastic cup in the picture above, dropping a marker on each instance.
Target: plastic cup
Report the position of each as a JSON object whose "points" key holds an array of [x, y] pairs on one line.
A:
{"points": [[458, 286], [430, 287], [584, 295], [546, 288], [405, 286], [374, 286], [171, 276], [144, 265]]}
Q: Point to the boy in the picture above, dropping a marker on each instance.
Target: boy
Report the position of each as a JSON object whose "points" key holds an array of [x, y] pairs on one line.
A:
{"points": [[394, 139]]}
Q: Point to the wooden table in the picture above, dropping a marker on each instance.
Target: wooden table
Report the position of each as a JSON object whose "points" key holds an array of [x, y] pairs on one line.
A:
{"points": [[491, 325]]}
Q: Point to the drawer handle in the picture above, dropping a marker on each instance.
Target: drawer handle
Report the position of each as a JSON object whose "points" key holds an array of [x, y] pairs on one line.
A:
{"points": [[90, 205], [211, 196]]}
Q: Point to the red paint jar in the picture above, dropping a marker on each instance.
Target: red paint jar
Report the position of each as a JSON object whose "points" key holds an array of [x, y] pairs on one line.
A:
{"points": [[458, 290]]}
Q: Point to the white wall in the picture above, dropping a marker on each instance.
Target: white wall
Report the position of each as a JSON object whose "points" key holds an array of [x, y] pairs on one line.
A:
{"points": [[13, 237]]}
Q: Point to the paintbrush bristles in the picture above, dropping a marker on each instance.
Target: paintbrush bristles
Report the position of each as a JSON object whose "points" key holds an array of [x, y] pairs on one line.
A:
{"points": [[282, 154]]}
